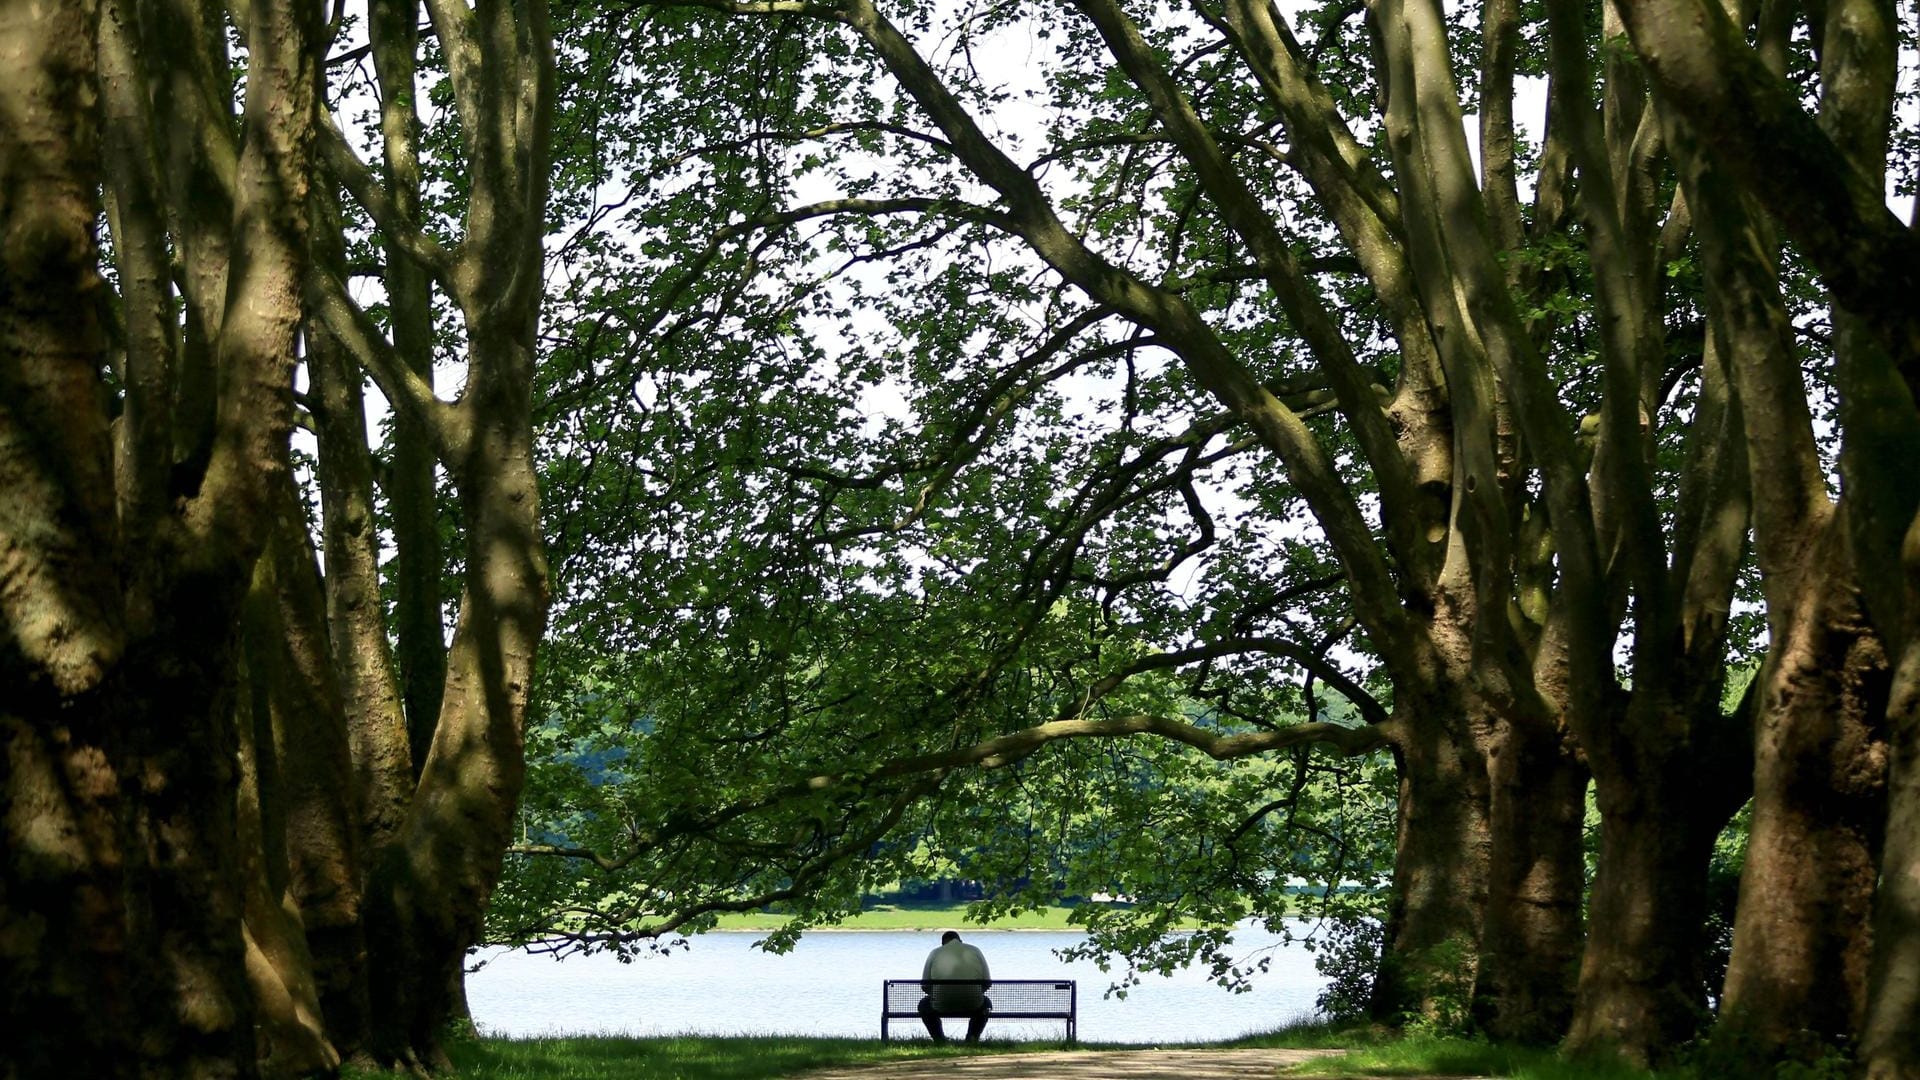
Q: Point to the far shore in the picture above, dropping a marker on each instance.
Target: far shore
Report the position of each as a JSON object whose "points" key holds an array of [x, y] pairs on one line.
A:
{"points": [[895, 918], [888, 917]]}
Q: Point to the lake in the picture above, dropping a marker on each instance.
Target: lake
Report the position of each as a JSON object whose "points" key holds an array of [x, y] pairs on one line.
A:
{"points": [[830, 985]]}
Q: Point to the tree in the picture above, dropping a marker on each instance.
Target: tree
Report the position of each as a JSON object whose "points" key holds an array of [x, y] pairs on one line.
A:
{"points": [[169, 616], [1508, 548], [1801, 946], [1823, 181], [134, 538], [436, 812]]}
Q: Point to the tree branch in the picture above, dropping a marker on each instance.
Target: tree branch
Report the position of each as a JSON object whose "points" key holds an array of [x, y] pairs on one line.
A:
{"points": [[405, 236], [1752, 119], [327, 300]]}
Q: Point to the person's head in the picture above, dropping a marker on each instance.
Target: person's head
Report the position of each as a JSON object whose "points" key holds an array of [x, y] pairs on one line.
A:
{"points": [[949, 936]]}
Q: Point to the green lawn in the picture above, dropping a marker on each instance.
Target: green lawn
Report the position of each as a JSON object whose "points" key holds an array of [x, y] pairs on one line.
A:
{"points": [[891, 917], [1373, 1054], [1427, 1057], [913, 917]]}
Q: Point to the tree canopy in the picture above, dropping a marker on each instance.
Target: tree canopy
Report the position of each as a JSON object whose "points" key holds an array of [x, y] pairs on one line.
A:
{"points": [[1430, 466]]}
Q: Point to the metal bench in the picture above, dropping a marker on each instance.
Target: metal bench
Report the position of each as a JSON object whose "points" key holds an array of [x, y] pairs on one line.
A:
{"points": [[1013, 999]]}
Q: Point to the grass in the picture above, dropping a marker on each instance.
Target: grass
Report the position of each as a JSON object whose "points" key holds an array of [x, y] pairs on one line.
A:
{"points": [[1382, 1055], [693, 1057], [1371, 1053], [913, 917]]}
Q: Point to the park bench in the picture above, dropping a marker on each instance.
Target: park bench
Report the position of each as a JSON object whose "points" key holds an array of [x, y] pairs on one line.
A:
{"points": [[1013, 999]]}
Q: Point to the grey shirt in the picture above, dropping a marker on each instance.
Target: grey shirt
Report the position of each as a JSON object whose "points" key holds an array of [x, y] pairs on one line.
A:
{"points": [[956, 960]]}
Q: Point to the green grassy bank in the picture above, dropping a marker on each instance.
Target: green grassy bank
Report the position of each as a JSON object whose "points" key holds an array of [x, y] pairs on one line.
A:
{"points": [[910, 917], [763, 1058]]}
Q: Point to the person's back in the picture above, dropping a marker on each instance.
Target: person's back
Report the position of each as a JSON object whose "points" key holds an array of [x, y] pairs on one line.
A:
{"points": [[955, 959]]}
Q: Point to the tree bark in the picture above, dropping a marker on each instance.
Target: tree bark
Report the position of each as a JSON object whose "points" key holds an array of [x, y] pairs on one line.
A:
{"points": [[125, 669], [439, 844], [1534, 938], [412, 497], [316, 828], [1890, 1032], [1663, 797], [1802, 941], [289, 1035], [64, 956], [1442, 862], [429, 893], [1642, 981], [383, 775]]}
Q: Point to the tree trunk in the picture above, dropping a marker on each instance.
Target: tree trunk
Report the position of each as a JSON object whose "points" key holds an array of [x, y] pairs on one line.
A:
{"points": [[1802, 939], [1533, 938], [1442, 850], [1642, 987], [440, 843], [1669, 772], [315, 825], [429, 893], [419, 565], [65, 965], [1890, 1034], [289, 1037], [383, 776]]}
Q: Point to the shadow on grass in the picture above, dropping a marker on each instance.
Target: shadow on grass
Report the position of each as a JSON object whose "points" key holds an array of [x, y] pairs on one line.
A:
{"points": [[692, 1057], [1386, 1056], [1372, 1052]]}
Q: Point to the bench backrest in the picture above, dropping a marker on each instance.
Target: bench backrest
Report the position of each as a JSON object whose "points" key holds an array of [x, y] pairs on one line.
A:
{"points": [[1012, 998]]}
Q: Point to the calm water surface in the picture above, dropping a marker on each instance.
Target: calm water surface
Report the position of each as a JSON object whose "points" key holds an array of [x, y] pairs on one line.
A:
{"points": [[830, 985]]}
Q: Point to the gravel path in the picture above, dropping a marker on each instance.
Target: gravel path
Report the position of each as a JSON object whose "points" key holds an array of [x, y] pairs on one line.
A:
{"points": [[1087, 1065]]}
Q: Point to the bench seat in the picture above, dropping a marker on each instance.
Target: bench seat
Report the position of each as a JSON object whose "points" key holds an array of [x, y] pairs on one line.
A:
{"points": [[1013, 999]]}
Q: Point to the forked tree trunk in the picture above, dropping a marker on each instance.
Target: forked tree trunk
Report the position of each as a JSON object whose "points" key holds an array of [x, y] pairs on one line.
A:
{"points": [[428, 895]]}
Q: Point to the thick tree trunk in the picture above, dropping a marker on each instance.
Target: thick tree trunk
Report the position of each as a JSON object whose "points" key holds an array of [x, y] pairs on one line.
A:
{"points": [[1669, 773], [1484, 928], [1642, 987], [1890, 1034], [1802, 939], [1442, 852], [1532, 941], [64, 956]]}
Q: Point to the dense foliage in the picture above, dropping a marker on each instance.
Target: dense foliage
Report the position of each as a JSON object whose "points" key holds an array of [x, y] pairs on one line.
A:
{"points": [[1425, 467]]}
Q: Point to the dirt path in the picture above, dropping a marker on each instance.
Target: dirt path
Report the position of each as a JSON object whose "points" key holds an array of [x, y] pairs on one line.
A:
{"points": [[1087, 1065]]}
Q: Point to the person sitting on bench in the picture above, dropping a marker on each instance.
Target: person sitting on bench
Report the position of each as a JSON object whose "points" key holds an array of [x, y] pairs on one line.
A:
{"points": [[955, 959]]}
